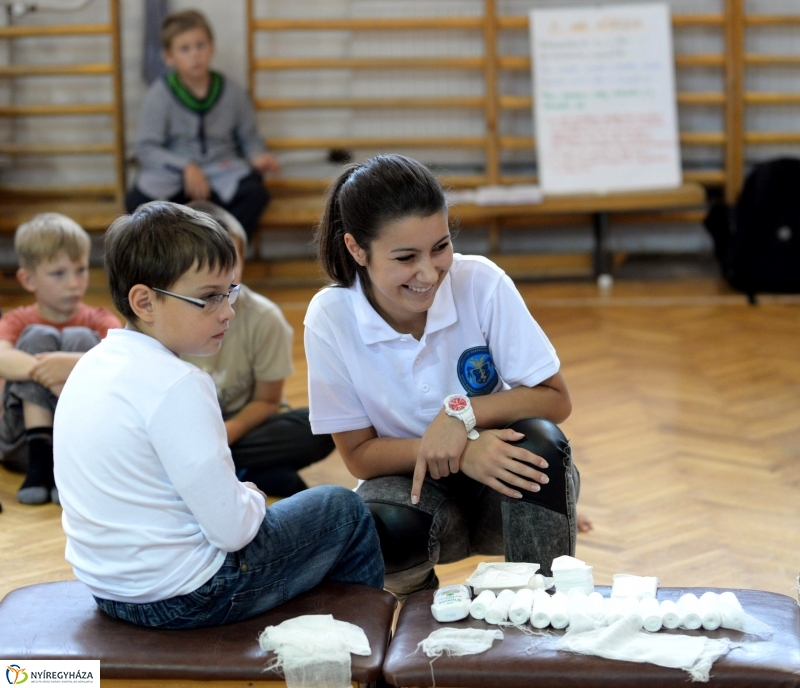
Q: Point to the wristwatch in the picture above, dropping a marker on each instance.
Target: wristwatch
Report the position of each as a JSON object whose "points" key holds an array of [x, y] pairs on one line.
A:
{"points": [[459, 406]]}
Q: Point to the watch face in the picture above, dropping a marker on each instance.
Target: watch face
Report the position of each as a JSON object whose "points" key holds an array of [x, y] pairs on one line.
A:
{"points": [[457, 404]]}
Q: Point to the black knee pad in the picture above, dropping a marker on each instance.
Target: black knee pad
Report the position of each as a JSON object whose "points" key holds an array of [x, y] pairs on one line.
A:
{"points": [[403, 532], [545, 439]]}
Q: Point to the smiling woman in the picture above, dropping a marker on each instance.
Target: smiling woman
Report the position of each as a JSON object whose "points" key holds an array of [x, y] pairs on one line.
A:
{"points": [[411, 350]]}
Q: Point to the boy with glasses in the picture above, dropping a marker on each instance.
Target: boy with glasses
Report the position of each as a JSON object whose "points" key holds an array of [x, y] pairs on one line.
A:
{"points": [[158, 526]]}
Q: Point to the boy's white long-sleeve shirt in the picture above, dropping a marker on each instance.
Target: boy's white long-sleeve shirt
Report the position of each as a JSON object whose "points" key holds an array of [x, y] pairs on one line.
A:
{"points": [[145, 476]]}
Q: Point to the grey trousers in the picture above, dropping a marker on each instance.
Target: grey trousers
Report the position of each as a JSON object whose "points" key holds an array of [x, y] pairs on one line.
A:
{"points": [[35, 339], [458, 517]]}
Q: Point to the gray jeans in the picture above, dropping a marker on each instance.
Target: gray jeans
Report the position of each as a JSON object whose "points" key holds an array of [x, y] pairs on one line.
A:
{"points": [[458, 517], [35, 339]]}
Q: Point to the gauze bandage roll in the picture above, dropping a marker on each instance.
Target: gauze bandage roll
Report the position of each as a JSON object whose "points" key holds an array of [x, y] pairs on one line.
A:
{"points": [[630, 608], [498, 612], [730, 611], [709, 611], [650, 612], [594, 605], [540, 613], [612, 610], [559, 617], [670, 617], [689, 610], [480, 605], [520, 610]]}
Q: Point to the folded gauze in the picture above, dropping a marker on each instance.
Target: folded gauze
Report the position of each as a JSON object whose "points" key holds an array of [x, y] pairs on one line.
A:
{"points": [[314, 650], [623, 640], [505, 575]]}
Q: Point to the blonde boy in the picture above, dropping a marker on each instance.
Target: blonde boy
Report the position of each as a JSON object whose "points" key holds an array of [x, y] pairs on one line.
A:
{"points": [[197, 137], [41, 343]]}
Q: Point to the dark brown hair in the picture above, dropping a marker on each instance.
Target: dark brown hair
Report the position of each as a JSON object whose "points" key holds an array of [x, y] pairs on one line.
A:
{"points": [[364, 199], [157, 244], [179, 22]]}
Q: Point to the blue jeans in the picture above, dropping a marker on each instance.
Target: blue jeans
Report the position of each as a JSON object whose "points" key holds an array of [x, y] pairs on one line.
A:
{"points": [[325, 533]]}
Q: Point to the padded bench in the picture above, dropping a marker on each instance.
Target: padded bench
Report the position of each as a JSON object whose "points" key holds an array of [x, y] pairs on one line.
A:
{"points": [[61, 621], [521, 661]]}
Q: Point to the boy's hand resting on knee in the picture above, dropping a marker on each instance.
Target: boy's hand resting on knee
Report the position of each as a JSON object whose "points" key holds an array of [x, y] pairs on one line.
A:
{"points": [[195, 183], [439, 452], [53, 369], [491, 458]]}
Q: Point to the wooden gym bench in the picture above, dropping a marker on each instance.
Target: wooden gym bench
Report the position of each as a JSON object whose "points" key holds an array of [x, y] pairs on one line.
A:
{"points": [[61, 621]]}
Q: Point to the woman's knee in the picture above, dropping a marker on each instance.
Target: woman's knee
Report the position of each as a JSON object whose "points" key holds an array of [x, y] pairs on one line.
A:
{"points": [[404, 534], [544, 438]]}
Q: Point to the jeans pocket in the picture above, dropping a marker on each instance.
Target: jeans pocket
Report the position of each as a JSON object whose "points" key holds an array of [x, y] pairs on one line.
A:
{"points": [[249, 603]]}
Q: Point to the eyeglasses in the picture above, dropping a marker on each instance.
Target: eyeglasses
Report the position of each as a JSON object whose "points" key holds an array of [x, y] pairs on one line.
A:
{"points": [[207, 303]]}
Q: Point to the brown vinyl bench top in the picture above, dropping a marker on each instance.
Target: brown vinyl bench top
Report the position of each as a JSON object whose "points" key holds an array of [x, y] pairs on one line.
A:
{"points": [[61, 621], [521, 661]]}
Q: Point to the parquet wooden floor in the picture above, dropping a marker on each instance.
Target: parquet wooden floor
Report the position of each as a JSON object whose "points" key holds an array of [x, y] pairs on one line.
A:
{"points": [[686, 429]]}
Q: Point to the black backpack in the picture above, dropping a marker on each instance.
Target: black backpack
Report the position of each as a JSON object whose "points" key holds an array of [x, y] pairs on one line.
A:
{"points": [[757, 243]]}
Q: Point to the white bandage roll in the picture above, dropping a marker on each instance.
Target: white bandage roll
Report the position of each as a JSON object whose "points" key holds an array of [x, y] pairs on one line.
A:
{"points": [[730, 598], [540, 613], [709, 611], [670, 617], [594, 605], [650, 612], [689, 610], [612, 610], [480, 605], [498, 612], [520, 610], [559, 616], [730, 611], [630, 607]]}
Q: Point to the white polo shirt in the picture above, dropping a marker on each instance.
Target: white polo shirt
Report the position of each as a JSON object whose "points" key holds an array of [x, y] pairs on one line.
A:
{"points": [[479, 338]]}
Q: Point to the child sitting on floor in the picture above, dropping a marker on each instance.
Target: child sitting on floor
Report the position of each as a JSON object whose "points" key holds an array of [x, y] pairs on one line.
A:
{"points": [[269, 440], [41, 343], [197, 136], [158, 526]]}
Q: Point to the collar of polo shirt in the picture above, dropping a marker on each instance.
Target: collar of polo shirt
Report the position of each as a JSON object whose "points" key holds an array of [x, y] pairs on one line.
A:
{"points": [[373, 328]]}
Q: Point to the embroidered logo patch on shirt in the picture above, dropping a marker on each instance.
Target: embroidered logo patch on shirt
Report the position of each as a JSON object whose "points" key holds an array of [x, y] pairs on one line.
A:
{"points": [[476, 371]]}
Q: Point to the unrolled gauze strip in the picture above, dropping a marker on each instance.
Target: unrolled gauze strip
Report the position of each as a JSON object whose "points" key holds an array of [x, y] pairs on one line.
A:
{"points": [[520, 610], [650, 612], [559, 618], [709, 611], [670, 617], [540, 614], [498, 612], [480, 605], [689, 610]]}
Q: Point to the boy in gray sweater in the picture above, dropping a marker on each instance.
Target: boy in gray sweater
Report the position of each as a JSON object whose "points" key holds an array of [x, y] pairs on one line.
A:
{"points": [[197, 137]]}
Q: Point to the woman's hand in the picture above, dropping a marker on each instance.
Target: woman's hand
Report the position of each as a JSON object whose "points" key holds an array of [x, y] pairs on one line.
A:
{"points": [[491, 458], [440, 451]]}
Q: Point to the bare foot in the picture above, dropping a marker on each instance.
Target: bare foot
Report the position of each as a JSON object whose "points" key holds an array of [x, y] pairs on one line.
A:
{"points": [[584, 524]]}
